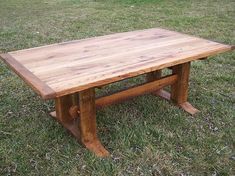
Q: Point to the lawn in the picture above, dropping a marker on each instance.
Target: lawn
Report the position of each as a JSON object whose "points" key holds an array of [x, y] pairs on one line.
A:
{"points": [[146, 136]]}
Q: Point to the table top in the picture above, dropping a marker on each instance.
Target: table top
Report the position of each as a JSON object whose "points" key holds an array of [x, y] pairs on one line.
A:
{"points": [[65, 68]]}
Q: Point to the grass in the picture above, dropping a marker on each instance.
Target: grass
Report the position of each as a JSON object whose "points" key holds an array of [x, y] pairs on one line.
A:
{"points": [[146, 136]]}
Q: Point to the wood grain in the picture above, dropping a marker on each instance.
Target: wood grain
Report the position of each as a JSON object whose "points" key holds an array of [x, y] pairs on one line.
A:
{"points": [[69, 67]]}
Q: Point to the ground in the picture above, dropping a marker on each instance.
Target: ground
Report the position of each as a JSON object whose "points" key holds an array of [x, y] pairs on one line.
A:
{"points": [[146, 136]]}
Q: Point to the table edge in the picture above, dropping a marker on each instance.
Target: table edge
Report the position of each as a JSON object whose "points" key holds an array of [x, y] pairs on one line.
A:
{"points": [[32, 80]]}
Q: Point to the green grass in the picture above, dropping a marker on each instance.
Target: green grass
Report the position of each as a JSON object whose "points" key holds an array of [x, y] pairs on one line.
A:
{"points": [[146, 136]]}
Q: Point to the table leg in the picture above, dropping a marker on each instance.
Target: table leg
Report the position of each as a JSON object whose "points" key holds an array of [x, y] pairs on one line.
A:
{"points": [[179, 90], [63, 106], [83, 124], [87, 123]]}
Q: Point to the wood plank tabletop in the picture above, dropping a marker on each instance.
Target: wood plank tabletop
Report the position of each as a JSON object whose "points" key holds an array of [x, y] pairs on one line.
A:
{"points": [[64, 68]]}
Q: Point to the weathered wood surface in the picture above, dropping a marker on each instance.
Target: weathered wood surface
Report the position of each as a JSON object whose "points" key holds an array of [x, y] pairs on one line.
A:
{"points": [[65, 68]]}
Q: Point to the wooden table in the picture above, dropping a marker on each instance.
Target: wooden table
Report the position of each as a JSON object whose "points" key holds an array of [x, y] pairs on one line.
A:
{"points": [[69, 72]]}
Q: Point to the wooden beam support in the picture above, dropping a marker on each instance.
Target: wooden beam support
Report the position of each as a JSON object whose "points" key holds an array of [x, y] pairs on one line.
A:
{"points": [[136, 91], [77, 112], [62, 114], [83, 127], [179, 90], [87, 123]]}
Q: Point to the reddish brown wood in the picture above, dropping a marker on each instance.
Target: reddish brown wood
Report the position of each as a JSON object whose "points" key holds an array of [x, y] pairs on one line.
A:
{"points": [[129, 93], [62, 114], [135, 91], [83, 127], [152, 76], [74, 111], [179, 90], [63, 105], [88, 123]]}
